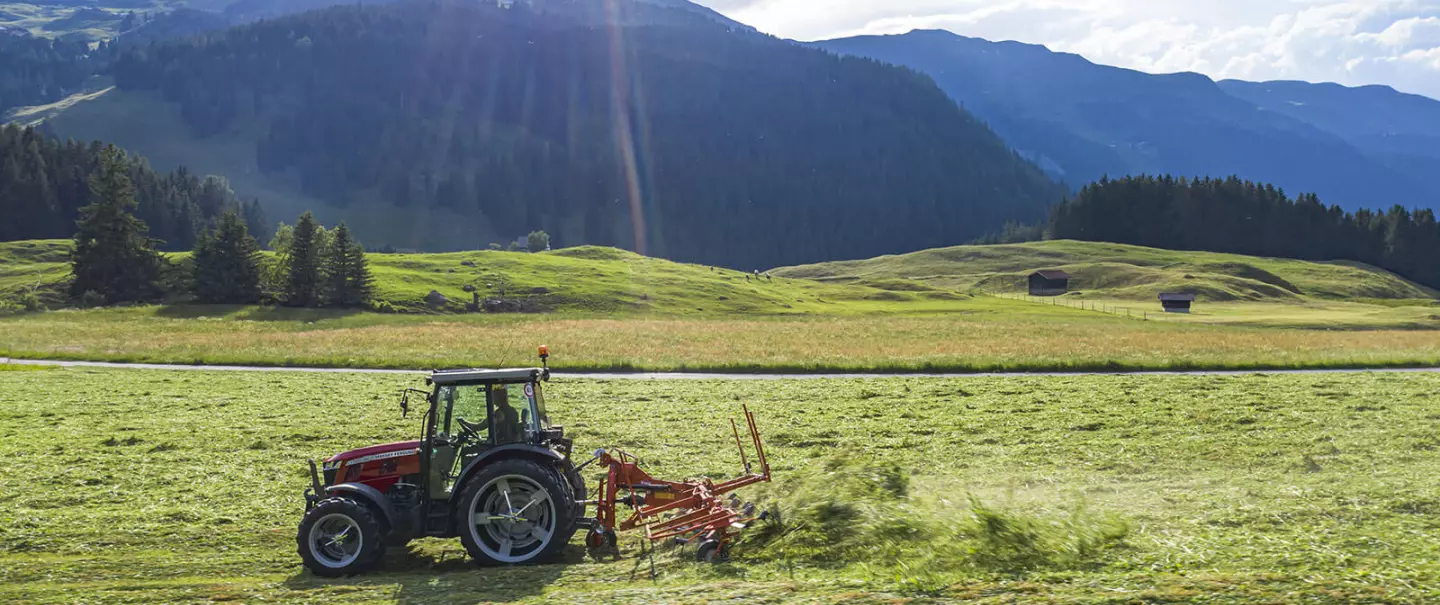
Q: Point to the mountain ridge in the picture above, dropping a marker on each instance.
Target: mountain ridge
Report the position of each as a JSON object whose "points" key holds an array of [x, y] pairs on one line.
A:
{"points": [[1085, 120], [713, 144]]}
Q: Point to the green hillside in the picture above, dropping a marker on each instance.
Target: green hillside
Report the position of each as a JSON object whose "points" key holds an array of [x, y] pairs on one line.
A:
{"points": [[1115, 271], [584, 279], [42, 265], [529, 132]]}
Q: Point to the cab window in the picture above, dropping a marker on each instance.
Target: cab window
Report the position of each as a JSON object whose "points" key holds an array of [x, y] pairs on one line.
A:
{"points": [[464, 402], [539, 399]]}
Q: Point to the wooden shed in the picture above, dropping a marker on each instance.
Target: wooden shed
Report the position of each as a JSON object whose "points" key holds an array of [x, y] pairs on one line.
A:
{"points": [[1176, 302], [1049, 283]]}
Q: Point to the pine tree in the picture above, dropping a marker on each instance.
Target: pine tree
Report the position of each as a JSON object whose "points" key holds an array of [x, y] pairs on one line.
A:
{"points": [[227, 264], [254, 215], [347, 277], [113, 256], [303, 287]]}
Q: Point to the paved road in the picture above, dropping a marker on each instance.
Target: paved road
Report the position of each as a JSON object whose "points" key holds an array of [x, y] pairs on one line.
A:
{"points": [[679, 375]]}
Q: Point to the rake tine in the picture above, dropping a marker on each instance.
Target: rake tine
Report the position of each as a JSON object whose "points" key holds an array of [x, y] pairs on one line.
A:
{"points": [[743, 462]]}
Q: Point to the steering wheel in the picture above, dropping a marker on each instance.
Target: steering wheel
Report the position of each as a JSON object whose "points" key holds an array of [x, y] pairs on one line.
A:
{"points": [[468, 431]]}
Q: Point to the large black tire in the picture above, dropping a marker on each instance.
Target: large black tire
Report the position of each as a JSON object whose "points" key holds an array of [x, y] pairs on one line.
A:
{"points": [[503, 518], [339, 537], [577, 488]]}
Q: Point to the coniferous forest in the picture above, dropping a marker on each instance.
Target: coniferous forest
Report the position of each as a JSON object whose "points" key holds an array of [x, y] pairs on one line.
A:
{"points": [[44, 184], [1243, 217], [40, 70], [671, 133]]}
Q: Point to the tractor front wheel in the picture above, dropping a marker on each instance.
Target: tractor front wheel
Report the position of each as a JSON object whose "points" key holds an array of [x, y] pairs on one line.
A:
{"points": [[339, 537], [516, 512]]}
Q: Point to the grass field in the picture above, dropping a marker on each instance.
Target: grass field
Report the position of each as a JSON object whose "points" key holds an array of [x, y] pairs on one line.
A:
{"points": [[606, 309], [990, 335], [148, 486]]}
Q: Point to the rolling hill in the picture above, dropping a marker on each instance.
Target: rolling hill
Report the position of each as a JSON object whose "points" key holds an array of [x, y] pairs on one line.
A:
{"points": [[585, 279], [1116, 271], [1082, 121], [649, 126]]}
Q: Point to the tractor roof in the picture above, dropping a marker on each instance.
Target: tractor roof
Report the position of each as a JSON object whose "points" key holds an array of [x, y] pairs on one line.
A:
{"points": [[485, 376]]}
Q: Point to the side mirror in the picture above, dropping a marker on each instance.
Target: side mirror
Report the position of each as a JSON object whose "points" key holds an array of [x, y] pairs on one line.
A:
{"points": [[405, 400]]}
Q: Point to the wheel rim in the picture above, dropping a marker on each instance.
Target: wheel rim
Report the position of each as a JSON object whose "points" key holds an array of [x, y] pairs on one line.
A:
{"points": [[512, 518], [336, 540]]}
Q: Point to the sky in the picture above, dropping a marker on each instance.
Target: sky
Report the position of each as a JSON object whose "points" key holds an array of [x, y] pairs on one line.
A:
{"points": [[1394, 42]]}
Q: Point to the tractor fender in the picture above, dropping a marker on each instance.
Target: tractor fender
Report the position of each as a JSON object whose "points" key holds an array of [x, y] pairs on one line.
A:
{"points": [[366, 495], [513, 450]]}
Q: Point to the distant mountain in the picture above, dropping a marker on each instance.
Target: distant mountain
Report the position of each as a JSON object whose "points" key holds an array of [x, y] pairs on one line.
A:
{"points": [[251, 10], [1398, 129], [628, 123], [1081, 121]]}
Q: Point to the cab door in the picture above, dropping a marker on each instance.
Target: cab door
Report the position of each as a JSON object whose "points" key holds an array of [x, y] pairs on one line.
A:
{"points": [[447, 454]]}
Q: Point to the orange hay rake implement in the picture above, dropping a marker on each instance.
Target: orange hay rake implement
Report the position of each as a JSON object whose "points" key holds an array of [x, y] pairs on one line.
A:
{"points": [[696, 510]]}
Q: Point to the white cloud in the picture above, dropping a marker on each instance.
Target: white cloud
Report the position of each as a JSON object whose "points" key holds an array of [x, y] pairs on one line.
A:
{"points": [[1395, 42]]}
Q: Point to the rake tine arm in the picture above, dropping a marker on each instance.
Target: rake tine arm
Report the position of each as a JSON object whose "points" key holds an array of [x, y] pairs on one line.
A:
{"points": [[711, 521], [684, 519], [759, 449], [734, 484], [743, 462]]}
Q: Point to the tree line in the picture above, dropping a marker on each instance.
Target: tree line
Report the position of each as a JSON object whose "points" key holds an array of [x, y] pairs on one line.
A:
{"points": [[116, 261], [1244, 217], [44, 184], [713, 146]]}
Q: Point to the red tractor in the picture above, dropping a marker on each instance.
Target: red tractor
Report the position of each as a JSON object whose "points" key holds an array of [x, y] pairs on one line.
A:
{"points": [[491, 469]]}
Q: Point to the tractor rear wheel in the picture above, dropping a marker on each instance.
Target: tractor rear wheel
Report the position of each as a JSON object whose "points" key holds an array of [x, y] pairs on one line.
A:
{"points": [[516, 512], [339, 537]]}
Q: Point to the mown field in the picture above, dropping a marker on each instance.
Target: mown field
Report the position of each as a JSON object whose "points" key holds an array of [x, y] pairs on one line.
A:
{"points": [[152, 486]]}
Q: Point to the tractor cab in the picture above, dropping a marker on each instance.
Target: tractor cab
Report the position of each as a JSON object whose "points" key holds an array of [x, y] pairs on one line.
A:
{"points": [[481, 412]]}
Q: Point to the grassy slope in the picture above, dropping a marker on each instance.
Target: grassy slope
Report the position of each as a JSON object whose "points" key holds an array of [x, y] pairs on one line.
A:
{"points": [[587, 280], [616, 310], [26, 265], [185, 487], [153, 128], [82, 22], [1122, 272]]}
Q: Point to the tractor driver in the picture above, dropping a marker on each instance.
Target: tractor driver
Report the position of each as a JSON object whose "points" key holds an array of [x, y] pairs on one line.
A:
{"points": [[504, 421]]}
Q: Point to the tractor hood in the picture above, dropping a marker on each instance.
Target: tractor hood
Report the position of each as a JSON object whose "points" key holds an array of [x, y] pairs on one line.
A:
{"points": [[354, 456]]}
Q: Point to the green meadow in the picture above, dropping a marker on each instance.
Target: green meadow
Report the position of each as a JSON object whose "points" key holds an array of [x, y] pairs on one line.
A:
{"points": [[155, 486], [606, 309]]}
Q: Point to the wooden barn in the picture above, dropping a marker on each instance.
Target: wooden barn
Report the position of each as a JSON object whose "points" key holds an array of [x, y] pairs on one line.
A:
{"points": [[1049, 283], [1176, 302]]}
